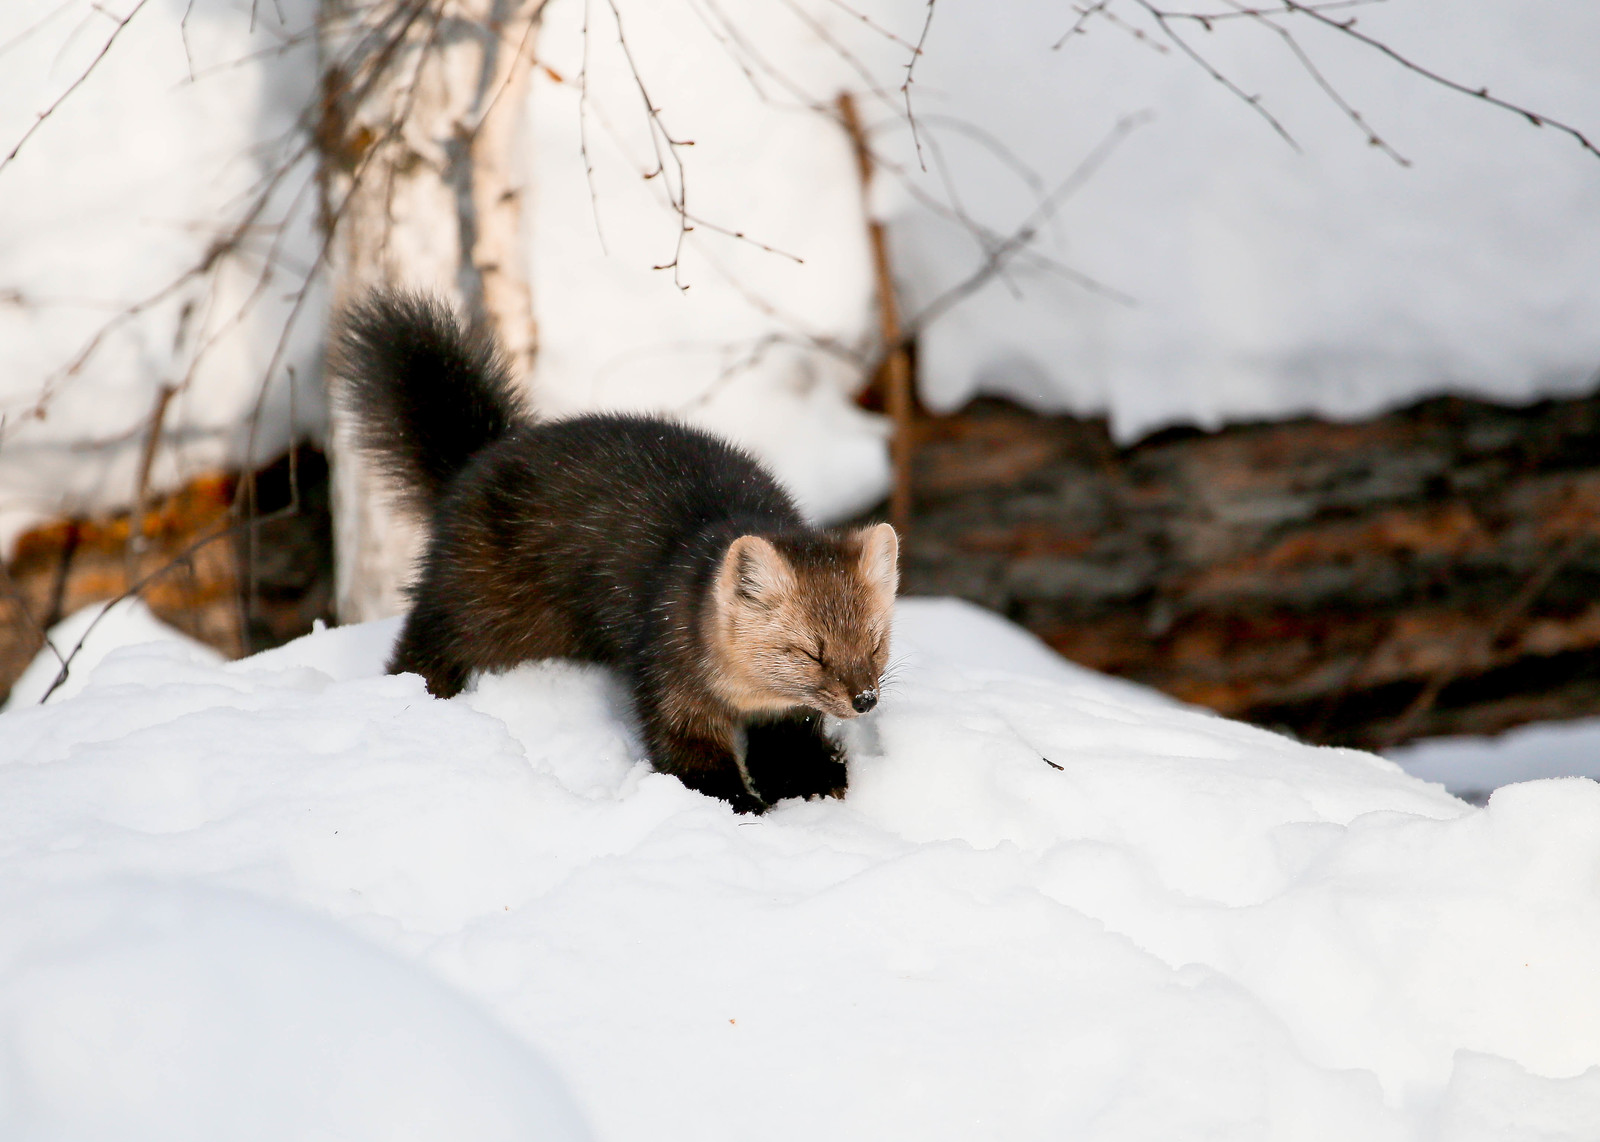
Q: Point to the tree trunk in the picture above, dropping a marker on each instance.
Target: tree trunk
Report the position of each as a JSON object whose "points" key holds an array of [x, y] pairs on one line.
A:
{"points": [[421, 105]]}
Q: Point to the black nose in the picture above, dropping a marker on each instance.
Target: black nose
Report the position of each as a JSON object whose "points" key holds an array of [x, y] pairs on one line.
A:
{"points": [[864, 701]]}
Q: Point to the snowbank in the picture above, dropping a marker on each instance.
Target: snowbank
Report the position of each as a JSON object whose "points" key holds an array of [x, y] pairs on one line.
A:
{"points": [[1236, 277], [153, 1012], [1052, 905]]}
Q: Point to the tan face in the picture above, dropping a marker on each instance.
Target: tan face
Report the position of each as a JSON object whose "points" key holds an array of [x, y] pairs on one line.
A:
{"points": [[812, 632]]}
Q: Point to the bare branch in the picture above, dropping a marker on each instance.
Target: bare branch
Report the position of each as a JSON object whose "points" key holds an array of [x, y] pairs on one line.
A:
{"points": [[1293, 45], [1164, 20], [1348, 28], [820, 30], [221, 531], [583, 131], [1267, 16], [905, 88], [1102, 10], [869, 22], [39, 117], [20, 600], [1028, 231]]}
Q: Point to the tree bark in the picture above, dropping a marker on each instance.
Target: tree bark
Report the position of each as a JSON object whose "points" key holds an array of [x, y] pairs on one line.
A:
{"points": [[421, 106], [1431, 571]]}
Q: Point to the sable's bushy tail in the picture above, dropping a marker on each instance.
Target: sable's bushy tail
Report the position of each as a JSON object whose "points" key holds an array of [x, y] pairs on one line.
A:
{"points": [[425, 391]]}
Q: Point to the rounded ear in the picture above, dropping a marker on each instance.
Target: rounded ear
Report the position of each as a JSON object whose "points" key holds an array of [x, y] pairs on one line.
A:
{"points": [[880, 559], [753, 570]]}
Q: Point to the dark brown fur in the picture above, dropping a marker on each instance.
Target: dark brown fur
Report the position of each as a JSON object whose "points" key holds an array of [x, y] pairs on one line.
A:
{"points": [[654, 548]]}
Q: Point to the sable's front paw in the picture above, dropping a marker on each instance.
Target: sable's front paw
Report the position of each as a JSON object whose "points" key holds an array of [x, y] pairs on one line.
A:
{"points": [[746, 805]]}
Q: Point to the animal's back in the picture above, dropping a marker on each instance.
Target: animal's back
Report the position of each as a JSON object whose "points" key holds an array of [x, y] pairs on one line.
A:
{"points": [[589, 537]]}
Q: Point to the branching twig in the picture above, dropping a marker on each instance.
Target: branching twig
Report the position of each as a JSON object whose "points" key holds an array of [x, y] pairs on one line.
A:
{"points": [[1348, 28], [221, 531], [1164, 20], [905, 88], [40, 117], [1268, 16], [1000, 255]]}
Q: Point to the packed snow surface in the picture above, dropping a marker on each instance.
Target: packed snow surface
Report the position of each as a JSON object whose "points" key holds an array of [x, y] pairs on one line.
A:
{"points": [[237, 898]]}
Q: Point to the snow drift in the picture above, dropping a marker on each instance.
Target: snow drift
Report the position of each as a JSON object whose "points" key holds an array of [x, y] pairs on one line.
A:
{"points": [[1052, 905]]}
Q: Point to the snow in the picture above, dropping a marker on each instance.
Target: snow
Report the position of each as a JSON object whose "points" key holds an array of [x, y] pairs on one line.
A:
{"points": [[141, 1010], [1051, 905], [88, 637], [1231, 275], [1240, 278], [762, 338], [1472, 766]]}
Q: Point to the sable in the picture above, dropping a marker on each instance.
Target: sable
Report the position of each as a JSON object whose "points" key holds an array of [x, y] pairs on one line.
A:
{"points": [[654, 548]]}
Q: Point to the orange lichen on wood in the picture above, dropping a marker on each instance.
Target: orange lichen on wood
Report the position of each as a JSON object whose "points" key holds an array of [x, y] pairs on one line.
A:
{"points": [[184, 561]]}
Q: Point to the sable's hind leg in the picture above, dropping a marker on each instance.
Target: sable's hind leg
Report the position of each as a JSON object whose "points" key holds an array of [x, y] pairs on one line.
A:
{"points": [[424, 648], [794, 757]]}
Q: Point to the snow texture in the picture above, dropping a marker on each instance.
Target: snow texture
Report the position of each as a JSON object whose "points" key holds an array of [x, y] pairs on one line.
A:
{"points": [[1229, 275], [1051, 905]]}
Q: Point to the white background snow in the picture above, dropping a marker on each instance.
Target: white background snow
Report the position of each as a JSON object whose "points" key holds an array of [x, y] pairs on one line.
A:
{"points": [[293, 897], [1233, 276]]}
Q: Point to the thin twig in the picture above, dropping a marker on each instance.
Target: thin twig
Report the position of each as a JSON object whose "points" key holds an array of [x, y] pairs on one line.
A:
{"points": [[141, 489], [40, 630], [1348, 28], [905, 88], [41, 116], [1001, 254], [219, 532], [1163, 19]]}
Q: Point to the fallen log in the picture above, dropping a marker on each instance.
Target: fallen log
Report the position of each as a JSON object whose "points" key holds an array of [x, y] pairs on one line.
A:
{"points": [[1432, 571]]}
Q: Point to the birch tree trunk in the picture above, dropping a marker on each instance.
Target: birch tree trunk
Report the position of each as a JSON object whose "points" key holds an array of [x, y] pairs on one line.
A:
{"points": [[421, 105]]}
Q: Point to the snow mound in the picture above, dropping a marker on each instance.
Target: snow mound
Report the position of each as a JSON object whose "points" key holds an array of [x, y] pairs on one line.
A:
{"points": [[173, 1013], [81, 642], [1050, 906]]}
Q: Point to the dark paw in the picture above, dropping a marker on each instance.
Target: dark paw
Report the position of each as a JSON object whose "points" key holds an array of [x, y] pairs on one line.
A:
{"points": [[794, 757], [746, 805]]}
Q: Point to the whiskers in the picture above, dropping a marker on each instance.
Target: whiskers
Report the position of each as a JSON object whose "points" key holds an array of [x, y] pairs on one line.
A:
{"points": [[890, 678]]}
